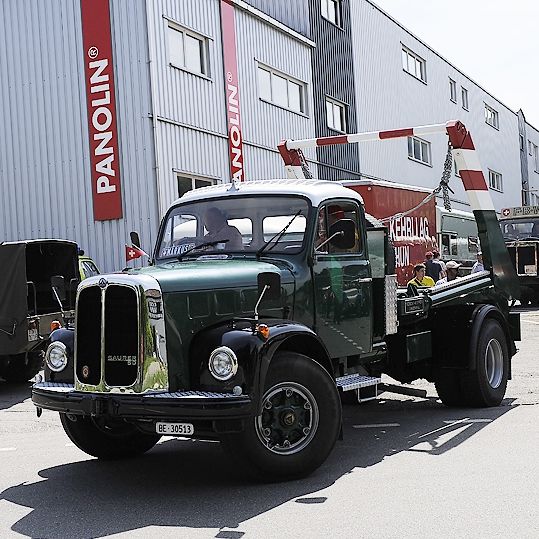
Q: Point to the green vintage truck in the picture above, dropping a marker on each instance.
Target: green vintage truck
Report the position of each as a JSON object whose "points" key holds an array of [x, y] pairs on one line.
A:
{"points": [[266, 303]]}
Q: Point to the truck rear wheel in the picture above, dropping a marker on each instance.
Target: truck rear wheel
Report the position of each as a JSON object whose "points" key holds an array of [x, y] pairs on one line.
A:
{"points": [[107, 440], [486, 385], [298, 425], [448, 386], [20, 368]]}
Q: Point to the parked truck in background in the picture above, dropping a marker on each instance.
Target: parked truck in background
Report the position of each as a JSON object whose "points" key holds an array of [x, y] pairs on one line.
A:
{"points": [[520, 229], [416, 227], [263, 304]]}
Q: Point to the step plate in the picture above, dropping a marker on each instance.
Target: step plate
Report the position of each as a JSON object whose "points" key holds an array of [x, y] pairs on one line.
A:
{"points": [[356, 381]]}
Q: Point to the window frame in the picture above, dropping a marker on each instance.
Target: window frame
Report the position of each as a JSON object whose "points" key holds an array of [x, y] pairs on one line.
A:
{"points": [[411, 153], [422, 62], [492, 177], [344, 113], [289, 80], [452, 90], [194, 178], [204, 49], [465, 101], [338, 12], [490, 112], [535, 157]]}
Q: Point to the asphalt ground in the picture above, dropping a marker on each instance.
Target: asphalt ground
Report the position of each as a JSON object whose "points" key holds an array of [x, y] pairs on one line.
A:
{"points": [[407, 467]]}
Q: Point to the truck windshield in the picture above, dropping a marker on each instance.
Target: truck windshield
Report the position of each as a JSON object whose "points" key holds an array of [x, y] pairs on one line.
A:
{"points": [[519, 229], [234, 225]]}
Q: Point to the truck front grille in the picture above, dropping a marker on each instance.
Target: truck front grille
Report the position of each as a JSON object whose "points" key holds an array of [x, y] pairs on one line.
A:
{"points": [[524, 258], [115, 349]]}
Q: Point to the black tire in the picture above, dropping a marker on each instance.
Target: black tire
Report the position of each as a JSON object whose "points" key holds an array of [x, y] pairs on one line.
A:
{"points": [[292, 381], [485, 386], [20, 368], [107, 441], [448, 386]]}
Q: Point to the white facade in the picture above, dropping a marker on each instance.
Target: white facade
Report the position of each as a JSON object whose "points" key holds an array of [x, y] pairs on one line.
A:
{"points": [[531, 151], [389, 97]]}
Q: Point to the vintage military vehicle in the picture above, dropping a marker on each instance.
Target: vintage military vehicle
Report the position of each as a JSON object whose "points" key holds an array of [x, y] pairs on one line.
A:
{"points": [[265, 303], [38, 285]]}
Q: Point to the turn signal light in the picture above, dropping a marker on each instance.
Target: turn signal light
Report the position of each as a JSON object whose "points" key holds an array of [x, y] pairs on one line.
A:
{"points": [[263, 330], [55, 325]]}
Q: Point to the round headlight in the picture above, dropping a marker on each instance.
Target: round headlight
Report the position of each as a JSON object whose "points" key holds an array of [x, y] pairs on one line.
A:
{"points": [[56, 356], [223, 363]]}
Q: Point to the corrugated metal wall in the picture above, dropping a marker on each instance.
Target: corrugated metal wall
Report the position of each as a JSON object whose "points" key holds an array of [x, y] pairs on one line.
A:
{"points": [[192, 129], [388, 97], [44, 153], [333, 75], [292, 13]]}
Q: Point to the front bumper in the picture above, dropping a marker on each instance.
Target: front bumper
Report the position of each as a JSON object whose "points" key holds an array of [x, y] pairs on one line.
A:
{"points": [[190, 406]]}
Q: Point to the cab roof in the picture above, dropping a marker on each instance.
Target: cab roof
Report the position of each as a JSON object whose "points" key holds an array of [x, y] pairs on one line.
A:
{"points": [[315, 190]]}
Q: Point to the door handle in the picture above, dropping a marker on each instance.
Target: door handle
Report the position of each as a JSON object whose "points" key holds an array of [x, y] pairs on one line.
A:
{"points": [[365, 280]]}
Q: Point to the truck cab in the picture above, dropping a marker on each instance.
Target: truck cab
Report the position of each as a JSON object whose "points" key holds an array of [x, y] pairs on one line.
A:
{"points": [[520, 230]]}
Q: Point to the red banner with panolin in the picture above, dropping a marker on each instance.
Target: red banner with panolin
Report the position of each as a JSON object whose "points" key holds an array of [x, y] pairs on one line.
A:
{"points": [[235, 138], [101, 106]]}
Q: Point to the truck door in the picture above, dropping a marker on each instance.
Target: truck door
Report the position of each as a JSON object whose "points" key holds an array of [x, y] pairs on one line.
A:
{"points": [[342, 284]]}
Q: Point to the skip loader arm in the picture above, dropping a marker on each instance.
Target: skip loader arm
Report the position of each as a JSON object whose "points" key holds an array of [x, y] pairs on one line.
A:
{"points": [[495, 255]]}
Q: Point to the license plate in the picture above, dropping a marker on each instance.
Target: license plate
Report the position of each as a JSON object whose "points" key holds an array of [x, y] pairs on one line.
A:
{"points": [[174, 428], [32, 335]]}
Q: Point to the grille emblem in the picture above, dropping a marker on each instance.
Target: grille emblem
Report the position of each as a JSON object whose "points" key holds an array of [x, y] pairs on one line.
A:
{"points": [[85, 371], [102, 283]]}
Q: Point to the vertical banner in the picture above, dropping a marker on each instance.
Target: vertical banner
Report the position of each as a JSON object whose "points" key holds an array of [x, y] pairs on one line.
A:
{"points": [[103, 135], [235, 139]]}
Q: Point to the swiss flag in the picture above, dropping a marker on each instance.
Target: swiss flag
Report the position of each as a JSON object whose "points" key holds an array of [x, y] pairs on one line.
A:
{"points": [[132, 252]]}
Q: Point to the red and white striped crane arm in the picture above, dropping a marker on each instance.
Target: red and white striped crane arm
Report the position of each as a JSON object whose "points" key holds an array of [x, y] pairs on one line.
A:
{"points": [[495, 254]]}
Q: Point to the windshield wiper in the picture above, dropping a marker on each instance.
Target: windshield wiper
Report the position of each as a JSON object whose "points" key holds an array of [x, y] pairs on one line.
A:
{"points": [[201, 246], [277, 236]]}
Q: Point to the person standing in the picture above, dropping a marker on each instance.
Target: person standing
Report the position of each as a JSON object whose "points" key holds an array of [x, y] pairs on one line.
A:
{"points": [[419, 280], [452, 272], [478, 266], [432, 268], [436, 258]]}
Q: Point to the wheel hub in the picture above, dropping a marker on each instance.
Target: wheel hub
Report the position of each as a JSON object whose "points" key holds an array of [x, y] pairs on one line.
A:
{"points": [[289, 418]]}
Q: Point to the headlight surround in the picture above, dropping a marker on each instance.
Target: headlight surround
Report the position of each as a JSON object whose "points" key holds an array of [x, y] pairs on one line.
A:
{"points": [[223, 363], [56, 356]]}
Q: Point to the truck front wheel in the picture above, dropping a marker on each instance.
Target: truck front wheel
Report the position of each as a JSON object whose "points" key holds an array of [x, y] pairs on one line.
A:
{"points": [[298, 425], [105, 439]]}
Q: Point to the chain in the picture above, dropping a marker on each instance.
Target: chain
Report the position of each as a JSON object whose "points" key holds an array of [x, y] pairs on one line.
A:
{"points": [[446, 175], [304, 166], [443, 187]]}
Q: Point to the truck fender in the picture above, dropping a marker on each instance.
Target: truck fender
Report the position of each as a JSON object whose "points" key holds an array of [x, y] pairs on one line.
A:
{"points": [[479, 315], [292, 337], [65, 336]]}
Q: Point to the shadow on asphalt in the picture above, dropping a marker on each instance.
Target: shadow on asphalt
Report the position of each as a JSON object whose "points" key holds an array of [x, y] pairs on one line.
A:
{"points": [[192, 484], [11, 394]]}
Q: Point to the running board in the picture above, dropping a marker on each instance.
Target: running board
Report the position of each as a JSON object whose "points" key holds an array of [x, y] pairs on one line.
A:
{"points": [[366, 386]]}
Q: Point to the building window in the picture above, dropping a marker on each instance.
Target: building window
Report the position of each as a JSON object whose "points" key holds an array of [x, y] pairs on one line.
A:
{"points": [[414, 64], [281, 90], [495, 180], [452, 90], [188, 183], [521, 140], [419, 150], [336, 115], [491, 117], [331, 10], [187, 50], [464, 93], [530, 147], [536, 157]]}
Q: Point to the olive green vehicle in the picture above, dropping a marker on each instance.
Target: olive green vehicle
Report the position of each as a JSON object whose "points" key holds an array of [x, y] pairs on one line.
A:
{"points": [[266, 303]]}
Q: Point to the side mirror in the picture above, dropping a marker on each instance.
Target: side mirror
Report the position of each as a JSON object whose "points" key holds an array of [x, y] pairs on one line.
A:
{"points": [[58, 287], [269, 284], [343, 234], [135, 240]]}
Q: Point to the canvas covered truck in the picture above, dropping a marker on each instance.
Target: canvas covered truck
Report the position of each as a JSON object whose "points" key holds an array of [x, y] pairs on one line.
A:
{"points": [[520, 230], [265, 304], [38, 284]]}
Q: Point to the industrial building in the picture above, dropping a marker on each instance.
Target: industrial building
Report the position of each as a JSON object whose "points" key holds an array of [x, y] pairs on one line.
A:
{"points": [[110, 110]]}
